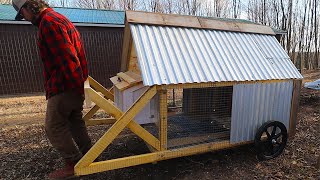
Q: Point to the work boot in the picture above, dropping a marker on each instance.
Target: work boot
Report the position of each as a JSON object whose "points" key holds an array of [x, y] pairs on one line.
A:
{"points": [[66, 172]]}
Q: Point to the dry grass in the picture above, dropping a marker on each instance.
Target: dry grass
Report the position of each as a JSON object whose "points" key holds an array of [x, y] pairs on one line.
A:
{"points": [[25, 152]]}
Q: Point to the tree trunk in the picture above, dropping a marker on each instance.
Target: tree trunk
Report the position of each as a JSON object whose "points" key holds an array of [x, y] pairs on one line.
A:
{"points": [[289, 26], [301, 42]]}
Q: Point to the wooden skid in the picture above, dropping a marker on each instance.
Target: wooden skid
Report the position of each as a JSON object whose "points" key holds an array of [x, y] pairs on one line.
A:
{"points": [[151, 157], [93, 122], [197, 139]]}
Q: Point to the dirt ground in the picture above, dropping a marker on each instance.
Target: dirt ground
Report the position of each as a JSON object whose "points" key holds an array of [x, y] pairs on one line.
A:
{"points": [[26, 153]]}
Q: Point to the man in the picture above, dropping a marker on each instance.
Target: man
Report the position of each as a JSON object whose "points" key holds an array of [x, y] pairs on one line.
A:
{"points": [[65, 70]]}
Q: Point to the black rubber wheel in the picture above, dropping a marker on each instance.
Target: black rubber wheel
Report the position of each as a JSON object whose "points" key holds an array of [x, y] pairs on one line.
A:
{"points": [[271, 139]]}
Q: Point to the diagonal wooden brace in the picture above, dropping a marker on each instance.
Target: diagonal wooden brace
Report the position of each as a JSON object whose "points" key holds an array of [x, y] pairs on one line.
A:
{"points": [[123, 119], [108, 106], [98, 87], [90, 113]]}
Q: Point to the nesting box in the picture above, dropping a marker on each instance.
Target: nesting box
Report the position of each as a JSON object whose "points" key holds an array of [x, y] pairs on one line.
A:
{"points": [[128, 87]]}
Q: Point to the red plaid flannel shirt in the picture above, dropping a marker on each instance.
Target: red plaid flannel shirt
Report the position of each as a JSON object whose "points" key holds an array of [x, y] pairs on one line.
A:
{"points": [[62, 53]]}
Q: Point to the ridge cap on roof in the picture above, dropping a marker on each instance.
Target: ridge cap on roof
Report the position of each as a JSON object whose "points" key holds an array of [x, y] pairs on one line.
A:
{"points": [[187, 21]]}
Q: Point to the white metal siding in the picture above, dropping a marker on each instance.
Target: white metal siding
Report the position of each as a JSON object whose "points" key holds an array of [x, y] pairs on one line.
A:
{"points": [[255, 104], [172, 55]]}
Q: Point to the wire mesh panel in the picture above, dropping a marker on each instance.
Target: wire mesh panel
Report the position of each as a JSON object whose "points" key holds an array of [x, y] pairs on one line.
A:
{"points": [[198, 115]]}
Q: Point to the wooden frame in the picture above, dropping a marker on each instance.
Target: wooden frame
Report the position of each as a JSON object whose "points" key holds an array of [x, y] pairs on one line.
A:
{"points": [[152, 157], [103, 100], [121, 120]]}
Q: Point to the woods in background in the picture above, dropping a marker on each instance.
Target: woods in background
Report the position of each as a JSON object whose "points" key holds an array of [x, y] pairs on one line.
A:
{"points": [[299, 18]]}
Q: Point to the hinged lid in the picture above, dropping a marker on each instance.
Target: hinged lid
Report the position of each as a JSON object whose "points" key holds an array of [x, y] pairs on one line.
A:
{"points": [[126, 80]]}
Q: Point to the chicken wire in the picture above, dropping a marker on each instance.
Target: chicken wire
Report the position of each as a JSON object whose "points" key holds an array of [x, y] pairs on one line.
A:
{"points": [[198, 115]]}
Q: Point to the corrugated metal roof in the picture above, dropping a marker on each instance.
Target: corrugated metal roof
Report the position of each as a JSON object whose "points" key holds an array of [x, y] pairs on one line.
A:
{"points": [[75, 15], [255, 104], [172, 55]]}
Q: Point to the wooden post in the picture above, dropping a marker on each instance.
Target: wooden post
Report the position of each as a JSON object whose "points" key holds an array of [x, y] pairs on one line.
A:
{"points": [[294, 107], [163, 131], [127, 44]]}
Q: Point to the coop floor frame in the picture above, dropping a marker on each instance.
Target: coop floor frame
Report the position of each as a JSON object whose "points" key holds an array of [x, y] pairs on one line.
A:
{"points": [[104, 98]]}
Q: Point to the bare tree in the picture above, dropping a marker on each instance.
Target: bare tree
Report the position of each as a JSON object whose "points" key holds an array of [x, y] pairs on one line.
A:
{"points": [[301, 40], [90, 4], [289, 23], [316, 32], [156, 6], [253, 10], [218, 8], [236, 8], [311, 35], [276, 12], [106, 4], [168, 6], [193, 6], [181, 7], [60, 3], [5, 1], [128, 4]]}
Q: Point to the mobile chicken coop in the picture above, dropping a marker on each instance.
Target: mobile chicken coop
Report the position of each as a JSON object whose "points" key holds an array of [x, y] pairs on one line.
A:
{"points": [[191, 85]]}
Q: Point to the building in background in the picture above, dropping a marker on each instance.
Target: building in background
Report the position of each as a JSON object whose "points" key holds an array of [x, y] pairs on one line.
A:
{"points": [[20, 63]]}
